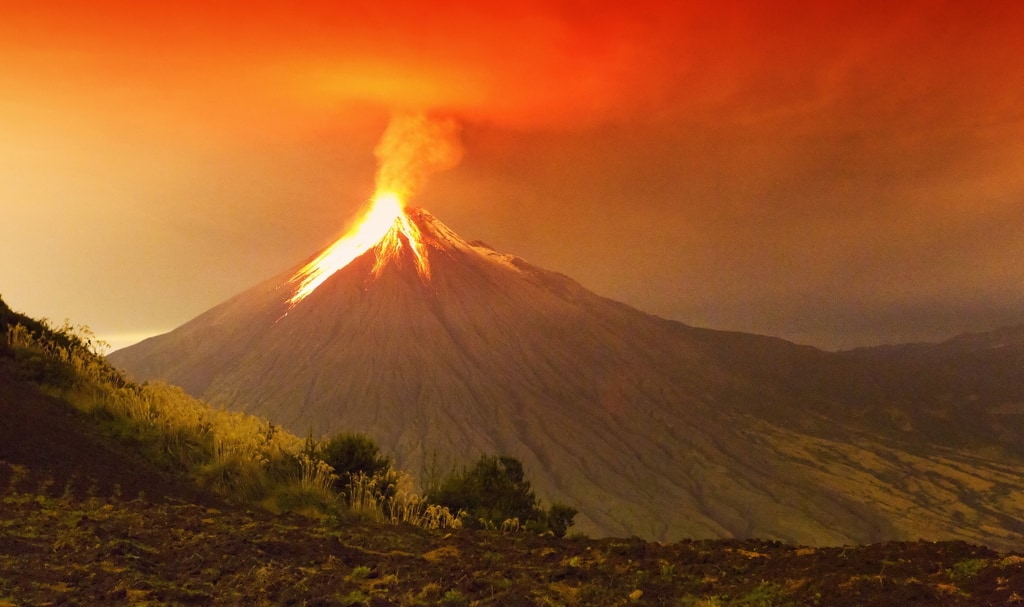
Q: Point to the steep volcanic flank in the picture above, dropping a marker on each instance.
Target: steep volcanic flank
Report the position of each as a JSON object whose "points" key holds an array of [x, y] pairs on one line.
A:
{"points": [[650, 427]]}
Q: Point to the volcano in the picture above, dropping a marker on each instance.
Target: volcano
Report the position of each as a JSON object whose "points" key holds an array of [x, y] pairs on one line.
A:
{"points": [[443, 350]]}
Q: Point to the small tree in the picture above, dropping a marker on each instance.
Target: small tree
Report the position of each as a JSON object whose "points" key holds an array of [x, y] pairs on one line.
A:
{"points": [[351, 453], [560, 517], [495, 490]]}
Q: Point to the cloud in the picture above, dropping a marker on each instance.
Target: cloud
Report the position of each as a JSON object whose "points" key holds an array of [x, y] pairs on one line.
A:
{"points": [[526, 64]]}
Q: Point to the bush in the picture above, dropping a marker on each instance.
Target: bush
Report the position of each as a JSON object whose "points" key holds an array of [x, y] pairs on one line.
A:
{"points": [[559, 518], [351, 454], [364, 475], [494, 491]]}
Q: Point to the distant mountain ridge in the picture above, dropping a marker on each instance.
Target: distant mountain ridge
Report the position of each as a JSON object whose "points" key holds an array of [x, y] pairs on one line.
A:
{"points": [[960, 388], [649, 426]]}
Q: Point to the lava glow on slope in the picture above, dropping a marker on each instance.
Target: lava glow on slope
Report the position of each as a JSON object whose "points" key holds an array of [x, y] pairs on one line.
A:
{"points": [[412, 147], [383, 227]]}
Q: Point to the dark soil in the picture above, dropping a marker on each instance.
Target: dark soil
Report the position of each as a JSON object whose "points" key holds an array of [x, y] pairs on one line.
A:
{"points": [[63, 550], [59, 445]]}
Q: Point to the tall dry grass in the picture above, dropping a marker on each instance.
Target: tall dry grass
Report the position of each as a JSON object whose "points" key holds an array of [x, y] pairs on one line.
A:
{"points": [[239, 456]]}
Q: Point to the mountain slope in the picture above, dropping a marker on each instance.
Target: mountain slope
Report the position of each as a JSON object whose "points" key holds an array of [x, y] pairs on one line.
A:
{"points": [[967, 392], [648, 426]]}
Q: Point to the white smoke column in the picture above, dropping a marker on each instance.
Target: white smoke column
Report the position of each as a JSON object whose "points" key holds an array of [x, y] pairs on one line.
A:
{"points": [[414, 146]]}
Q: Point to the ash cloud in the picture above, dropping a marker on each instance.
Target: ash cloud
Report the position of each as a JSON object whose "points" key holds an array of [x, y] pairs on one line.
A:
{"points": [[412, 147]]}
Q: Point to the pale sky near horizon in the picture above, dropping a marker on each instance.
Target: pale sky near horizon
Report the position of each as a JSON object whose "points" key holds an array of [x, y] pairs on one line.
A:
{"points": [[838, 174]]}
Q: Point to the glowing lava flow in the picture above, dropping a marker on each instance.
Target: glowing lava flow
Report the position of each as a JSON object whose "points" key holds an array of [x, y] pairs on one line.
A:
{"points": [[390, 247], [412, 147], [384, 227]]}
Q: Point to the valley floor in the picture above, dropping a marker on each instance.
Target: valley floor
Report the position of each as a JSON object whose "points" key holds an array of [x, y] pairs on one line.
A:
{"points": [[79, 550]]}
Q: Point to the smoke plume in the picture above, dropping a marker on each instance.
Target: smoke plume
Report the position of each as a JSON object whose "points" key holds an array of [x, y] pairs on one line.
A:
{"points": [[414, 146]]}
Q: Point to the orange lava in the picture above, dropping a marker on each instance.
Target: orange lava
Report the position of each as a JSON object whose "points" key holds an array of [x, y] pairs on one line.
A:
{"points": [[384, 227]]}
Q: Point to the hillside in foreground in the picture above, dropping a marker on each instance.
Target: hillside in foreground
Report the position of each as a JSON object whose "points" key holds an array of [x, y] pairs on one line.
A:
{"points": [[89, 518]]}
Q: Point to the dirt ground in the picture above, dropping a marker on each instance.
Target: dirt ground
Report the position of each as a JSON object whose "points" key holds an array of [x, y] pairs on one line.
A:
{"points": [[63, 550]]}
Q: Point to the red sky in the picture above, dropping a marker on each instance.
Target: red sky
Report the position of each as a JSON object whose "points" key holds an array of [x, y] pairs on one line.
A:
{"points": [[837, 174]]}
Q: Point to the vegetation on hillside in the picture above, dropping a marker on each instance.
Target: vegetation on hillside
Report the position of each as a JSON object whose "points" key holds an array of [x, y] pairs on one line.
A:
{"points": [[245, 459], [495, 494]]}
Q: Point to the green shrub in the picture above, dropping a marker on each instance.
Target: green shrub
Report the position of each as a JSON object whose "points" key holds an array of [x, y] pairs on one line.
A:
{"points": [[350, 454], [492, 491], [967, 569], [559, 518], [495, 491]]}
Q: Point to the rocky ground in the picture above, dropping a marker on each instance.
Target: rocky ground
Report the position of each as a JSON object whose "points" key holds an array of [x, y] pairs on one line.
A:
{"points": [[61, 549]]}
